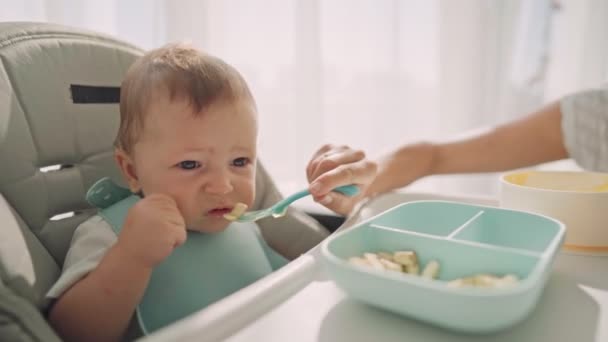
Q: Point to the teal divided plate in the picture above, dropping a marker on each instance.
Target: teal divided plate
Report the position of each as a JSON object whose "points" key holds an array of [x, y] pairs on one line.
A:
{"points": [[466, 240]]}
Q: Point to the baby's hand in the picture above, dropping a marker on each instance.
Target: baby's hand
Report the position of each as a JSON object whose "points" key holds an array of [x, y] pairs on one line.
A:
{"points": [[153, 228]]}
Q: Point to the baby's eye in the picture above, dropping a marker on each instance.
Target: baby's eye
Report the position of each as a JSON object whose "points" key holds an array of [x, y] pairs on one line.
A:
{"points": [[241, 162], [189, 164]]}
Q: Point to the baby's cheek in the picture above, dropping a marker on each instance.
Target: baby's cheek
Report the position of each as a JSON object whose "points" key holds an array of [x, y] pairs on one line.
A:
{"points": [[246, 192]]}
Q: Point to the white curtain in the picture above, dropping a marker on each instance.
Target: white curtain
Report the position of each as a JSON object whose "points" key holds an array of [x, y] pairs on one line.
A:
{"points": [[372, 74]]}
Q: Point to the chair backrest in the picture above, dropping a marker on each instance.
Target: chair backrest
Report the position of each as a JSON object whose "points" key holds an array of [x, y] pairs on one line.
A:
{"points": [[58, 120]]}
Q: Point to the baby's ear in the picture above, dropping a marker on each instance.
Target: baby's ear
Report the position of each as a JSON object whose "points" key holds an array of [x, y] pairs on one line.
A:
{"points": [[127, 168]]}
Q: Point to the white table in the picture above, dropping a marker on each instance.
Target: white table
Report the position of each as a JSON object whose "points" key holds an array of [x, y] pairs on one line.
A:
{"points": [[299, 303]]}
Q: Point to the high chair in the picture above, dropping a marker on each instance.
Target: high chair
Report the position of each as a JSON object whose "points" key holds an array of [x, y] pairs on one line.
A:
{"points": [[59, 114]]}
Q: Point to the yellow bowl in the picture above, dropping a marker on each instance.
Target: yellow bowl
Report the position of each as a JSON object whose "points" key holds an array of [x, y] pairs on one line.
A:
{"points": [[578, 199]]}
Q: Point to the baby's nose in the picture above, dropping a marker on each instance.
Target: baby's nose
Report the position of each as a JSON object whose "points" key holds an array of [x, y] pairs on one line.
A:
{"points": [[218, 184]]}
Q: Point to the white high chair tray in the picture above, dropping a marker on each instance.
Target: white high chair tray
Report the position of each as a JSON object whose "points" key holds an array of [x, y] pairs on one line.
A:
{"points": [[299, 303]]}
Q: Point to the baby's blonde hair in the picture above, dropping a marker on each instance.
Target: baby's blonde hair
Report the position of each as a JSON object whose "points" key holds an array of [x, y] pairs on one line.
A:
{"points": [[180, 71]]}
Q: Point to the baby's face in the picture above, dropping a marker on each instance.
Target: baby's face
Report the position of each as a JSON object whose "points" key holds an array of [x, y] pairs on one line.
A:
{"points": [[206, 162]]}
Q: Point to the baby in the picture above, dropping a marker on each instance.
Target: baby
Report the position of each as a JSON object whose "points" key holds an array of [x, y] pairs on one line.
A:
{"points": [[186, 147]]}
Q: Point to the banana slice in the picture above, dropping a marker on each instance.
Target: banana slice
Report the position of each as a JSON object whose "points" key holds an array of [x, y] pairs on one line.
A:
{"points": [[238, 210]]}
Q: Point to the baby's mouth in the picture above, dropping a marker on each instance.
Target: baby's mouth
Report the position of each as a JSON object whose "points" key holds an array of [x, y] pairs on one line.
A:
{"points": [[219, 212]]}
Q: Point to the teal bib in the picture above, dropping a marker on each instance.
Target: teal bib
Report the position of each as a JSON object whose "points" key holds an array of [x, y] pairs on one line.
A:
{"points": [[206, 268]]}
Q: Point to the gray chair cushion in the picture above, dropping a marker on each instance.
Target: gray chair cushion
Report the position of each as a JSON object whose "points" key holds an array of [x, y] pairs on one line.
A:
{"points": [[20, 320], [41, 126]]}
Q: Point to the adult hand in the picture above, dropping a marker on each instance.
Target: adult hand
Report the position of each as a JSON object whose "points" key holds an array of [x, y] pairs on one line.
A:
{"points": [[333, 166]]}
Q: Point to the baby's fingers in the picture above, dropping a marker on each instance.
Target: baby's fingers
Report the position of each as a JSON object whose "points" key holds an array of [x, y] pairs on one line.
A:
{"points": [[180, 236]]}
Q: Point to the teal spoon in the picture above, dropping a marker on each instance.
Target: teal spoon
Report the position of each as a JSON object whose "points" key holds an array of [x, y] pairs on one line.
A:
{"points": [[280, 208]]}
